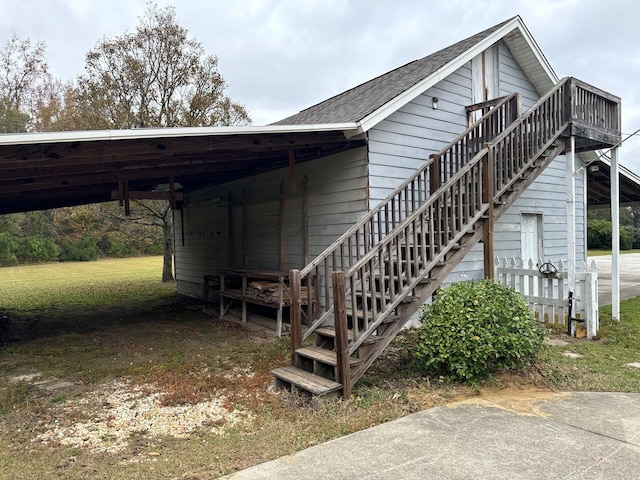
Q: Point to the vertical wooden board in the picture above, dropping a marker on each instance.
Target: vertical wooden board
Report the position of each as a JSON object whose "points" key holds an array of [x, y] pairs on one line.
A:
{"points": [[282, 232], [341, 340]]}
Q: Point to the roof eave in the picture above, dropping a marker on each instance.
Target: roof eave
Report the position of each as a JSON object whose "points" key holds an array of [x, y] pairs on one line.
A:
{"points": [[516, 25], [349, 129]]}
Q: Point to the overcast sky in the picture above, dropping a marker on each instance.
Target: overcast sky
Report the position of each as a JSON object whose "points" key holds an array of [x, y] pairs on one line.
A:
{"points": [[280, 56]]}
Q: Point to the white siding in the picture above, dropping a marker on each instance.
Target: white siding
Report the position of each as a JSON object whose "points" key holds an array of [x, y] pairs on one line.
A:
{"points": [[337, 198], [546, 196], [400, 144]]}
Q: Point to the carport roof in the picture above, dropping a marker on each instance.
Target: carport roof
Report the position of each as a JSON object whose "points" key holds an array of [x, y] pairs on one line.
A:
{"points": [[47, 170], [599, 184]]}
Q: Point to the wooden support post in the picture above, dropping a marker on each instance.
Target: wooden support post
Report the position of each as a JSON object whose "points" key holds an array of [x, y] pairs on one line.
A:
{"points": [[230, 227], [295, 315], [282, 233], [343, 372], [245, 230], [172, 193], [305, 219], [487, 227], [434, 174], [292, 170], [125, 194], [121, 193]]}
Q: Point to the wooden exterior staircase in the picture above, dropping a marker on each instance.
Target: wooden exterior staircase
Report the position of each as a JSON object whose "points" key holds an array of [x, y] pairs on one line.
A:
{"points": [[369, 282]]}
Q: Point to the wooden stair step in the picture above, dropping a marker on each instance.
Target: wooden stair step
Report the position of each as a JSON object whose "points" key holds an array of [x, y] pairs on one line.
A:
{"points": [[323, 355], [314, 384], [331, 332]]}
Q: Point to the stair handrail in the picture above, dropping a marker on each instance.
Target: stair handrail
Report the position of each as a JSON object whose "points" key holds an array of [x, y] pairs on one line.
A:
{"points": [[381, 220], [341, 240], [541, 133], [439, 252]]}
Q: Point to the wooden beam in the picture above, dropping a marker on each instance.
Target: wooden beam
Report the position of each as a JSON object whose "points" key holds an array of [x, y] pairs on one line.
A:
{"points": [[136, 195], [230, 227], [295, 313], [245, 230], [120, 194], [172, 193], [305, 220], [292, 170], [125, 196], [343, 372], [281, 230], [487, 227]]}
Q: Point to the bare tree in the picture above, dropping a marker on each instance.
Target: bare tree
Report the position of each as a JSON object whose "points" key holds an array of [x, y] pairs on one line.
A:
{"points": [[24, 83]]}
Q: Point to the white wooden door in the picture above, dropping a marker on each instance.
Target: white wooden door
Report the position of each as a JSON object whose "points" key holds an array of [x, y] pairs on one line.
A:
{"points": [[531, 245], [531, 238]]}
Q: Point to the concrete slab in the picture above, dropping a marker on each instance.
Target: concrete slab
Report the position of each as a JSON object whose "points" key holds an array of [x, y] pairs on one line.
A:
{"points": [[629, 277], [577, 436]]}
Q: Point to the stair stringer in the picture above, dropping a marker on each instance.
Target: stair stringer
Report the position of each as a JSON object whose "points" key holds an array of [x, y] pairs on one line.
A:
{"points": [[421, 294]]}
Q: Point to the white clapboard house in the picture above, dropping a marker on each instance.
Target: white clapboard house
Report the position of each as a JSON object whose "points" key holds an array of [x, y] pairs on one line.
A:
{"points": [[441, 165]]}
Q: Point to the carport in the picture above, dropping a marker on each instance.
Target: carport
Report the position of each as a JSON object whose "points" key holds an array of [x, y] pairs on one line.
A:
{"points": [[40, 171]]}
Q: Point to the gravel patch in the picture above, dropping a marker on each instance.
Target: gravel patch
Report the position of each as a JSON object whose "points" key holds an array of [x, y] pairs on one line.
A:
{"points": [[572, 354], [120, 410]]}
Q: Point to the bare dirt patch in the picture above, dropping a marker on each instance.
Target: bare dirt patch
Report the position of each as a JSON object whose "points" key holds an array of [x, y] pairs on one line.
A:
{"points": [[118, 411], [157, 392]]}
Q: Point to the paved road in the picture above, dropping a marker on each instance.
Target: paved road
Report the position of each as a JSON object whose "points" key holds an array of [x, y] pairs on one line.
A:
{"points": [[553, 436], [629, 277]]}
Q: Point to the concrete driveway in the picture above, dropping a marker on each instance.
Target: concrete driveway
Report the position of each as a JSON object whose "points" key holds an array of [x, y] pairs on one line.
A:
{"points": [[535, 437], [629, 277]]}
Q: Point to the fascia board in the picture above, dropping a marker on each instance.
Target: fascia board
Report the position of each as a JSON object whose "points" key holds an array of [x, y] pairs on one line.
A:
{"points": [[349, 129], [398, 102]]}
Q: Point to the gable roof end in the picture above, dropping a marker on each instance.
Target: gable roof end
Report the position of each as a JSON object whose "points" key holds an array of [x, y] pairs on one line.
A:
{"points": [[372, 101]]}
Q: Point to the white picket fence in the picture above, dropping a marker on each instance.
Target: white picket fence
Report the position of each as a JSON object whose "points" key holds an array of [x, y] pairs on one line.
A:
{"points": [[548, 294]]}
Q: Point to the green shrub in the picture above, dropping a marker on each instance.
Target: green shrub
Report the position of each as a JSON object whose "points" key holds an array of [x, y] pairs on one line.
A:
{"points": [[37, 249], [473, 329], [626, 238], [599, 236], [84, 249], [7, 248]]}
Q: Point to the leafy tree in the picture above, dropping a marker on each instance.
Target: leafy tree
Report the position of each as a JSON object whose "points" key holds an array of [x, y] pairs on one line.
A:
{"points": [[11, 120], [156, 76]]}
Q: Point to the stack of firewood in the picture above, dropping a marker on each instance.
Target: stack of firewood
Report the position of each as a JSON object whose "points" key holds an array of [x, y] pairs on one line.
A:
{"points": [[268, 292]]}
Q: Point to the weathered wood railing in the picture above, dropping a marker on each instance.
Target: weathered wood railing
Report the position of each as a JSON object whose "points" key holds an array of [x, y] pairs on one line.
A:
{"points": [[356, 242], [595, 113]]}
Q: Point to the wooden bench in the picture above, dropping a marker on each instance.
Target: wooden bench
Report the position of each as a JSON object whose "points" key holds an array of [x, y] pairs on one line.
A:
{"points": [[236, 285]]}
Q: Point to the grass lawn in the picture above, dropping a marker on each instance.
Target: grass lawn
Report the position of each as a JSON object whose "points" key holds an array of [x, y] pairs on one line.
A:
{"points": [[106, 373], [598, 253]]}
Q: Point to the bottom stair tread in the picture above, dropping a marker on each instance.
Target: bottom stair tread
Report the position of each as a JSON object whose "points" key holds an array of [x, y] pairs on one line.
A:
{"points": [[306, 380]]}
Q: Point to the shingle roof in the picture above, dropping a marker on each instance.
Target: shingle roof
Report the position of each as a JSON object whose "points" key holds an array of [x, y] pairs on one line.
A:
{"points": [[355, 104]]}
